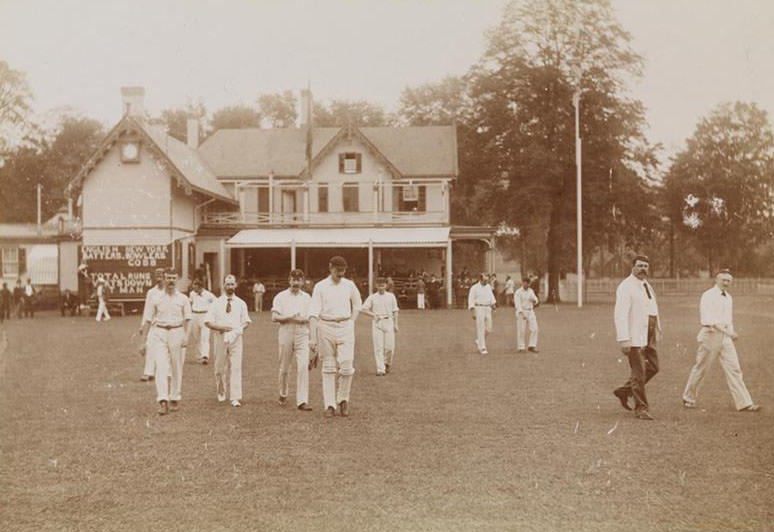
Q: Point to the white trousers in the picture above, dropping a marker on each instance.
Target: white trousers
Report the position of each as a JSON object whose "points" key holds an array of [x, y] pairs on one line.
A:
{"points": [[483, 326], [149, 368], [421, 301], [383, 333], [294, 343], [336, 344], [714, 344], [167, 351], [228, 367], [199, 334], [102, 310], [526, 329]]}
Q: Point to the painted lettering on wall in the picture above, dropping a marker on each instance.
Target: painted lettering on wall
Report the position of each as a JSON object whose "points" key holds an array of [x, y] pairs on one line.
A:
{"points": [[127, 270]]}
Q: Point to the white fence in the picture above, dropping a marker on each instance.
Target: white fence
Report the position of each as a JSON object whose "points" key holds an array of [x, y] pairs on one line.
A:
{"points": [[604, 289]]}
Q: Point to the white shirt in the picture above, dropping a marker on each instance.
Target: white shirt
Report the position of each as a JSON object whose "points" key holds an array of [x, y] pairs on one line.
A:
{"points": [[524, 299], [150, 298], [332, 301], [28, 290], [717, 309], [171, 309], [481, 295], [383, 305], [286, 303], [201, 302], [100, 290], [509, 286], [632, 309], [236, 319], [258, 288]]}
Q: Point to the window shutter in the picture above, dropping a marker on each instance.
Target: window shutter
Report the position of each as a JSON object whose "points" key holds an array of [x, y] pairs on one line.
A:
{"points": [[22, 261], [341, 163], [422, 207], [1, 262], [359, 164]]}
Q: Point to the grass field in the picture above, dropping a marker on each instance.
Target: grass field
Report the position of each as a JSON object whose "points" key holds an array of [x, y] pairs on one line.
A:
{"points": [[450, 440]]}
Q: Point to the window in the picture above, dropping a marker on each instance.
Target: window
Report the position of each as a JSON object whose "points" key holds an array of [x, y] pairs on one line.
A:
{"points": [[263, 199], [350, 163], [10, 258], [322, 197], [413, 198], [350, 197]]}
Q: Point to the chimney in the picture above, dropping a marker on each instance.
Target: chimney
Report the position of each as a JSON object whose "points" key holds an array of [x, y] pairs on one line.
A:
{"points": [[192, 135], [133, 102], [306, 107]]}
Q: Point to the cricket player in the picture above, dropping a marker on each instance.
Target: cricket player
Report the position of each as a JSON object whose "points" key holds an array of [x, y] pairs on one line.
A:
{"points": [[102, 300], [382, 306], [150, 298], [481, 299], [201, 299], [716, 340], [290, 308], [332, 313], [228, 317], [526, 322], [170, 317]]}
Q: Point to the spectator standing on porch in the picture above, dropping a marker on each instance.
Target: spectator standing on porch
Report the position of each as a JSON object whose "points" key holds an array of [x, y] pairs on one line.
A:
{"points": [[510, 288], [421, 287], [258, 291], [28, 299]]}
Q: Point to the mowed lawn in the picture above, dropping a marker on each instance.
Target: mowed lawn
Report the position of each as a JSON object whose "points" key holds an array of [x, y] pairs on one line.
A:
{"points": [[450, 440]]}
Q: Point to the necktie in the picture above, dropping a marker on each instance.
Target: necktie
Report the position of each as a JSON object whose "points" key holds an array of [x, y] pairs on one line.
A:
{"points": [[723, 293], [228, 306], [647, 291]]}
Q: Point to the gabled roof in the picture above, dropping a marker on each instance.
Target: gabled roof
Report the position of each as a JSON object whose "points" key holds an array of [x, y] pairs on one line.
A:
{"points": [[412, 151], [180, 161]]}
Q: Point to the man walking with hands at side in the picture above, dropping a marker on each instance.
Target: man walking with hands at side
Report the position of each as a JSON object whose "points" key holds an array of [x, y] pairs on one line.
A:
{"points": [[637, 327], [334, 308], [201, 299], [481, 299], [383, 308], [526, 322], [156, 291], [290, 309], [716, 339], [228, 317]]}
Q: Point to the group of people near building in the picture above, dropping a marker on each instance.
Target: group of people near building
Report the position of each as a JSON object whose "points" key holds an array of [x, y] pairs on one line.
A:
{"points": [[19, 302], [319, 329]]}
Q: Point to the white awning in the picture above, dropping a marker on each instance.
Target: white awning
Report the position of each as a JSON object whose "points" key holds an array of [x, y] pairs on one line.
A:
{"points": [[348, 237]]}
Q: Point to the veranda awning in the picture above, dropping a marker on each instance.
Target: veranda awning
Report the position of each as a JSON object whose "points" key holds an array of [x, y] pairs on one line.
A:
{"points": [[352, 237]]}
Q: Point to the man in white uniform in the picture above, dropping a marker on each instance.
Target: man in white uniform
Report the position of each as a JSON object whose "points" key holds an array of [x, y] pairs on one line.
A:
{"points": [[526, 322], [290, 308], [637, 327], [383, 308], [481, 299], [102, 300], [334, 308], [228, 317], [201, 300], [716, 338], [155, 292], [170, 317], [258, 291]]}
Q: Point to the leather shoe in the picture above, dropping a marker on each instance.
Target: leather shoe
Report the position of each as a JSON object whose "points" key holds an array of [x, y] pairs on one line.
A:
{"points": [[623, 396], [330, 412], [751, 408], [163, 408], [644, 414], [686, 404], [344, 408], [145, 378], [386, 368], [305, 407], [533, 350], [282, 401], [174, 406]]}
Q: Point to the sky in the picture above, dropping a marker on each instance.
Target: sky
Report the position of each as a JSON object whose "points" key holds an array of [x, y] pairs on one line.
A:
{"points": [[78, 53]]}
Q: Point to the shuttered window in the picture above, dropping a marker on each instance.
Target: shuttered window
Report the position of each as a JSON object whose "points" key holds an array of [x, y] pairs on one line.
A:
{"points": [[322, 197], [350, 197], [350, 163], [10, 265]]}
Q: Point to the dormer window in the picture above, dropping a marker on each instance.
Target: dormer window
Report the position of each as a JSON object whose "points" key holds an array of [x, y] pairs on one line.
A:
{"points": [[350, 163]]}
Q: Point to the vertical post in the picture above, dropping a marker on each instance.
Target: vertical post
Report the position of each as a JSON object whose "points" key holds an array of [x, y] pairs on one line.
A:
{"points": [[238, 190], [449, 276], [375, 201], [271, 197], [241, 255], [370, 266], [306, 202], [39, 220], [222, 260], [579, 198], [293, 254]]}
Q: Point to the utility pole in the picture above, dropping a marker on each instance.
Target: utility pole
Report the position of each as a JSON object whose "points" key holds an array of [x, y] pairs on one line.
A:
{"points": [[579, 202]]}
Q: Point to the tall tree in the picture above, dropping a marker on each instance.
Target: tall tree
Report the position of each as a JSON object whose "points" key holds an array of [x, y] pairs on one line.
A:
{"points": [[15, 97], [539, 54], [438, 103], [235, 117], [278, 110], [344, 112], [720, 188], [176, 120]]}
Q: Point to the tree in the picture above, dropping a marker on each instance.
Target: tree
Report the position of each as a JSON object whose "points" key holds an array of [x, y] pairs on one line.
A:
{"points": [[235, 117], [176, 120], [340, 113], [523, 97], [15, 97], [278, 109], [720, 188], [435, 104]]}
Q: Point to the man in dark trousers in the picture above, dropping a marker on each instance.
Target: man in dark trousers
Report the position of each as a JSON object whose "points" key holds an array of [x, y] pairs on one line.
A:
{"points": [[5, 303], [69, 303], [18, 296], [28, 299]]}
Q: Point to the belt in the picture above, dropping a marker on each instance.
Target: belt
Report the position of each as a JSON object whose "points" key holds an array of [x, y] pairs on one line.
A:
{"points": [[335, 320], [168, 327], [199, 311], [483, 305]]}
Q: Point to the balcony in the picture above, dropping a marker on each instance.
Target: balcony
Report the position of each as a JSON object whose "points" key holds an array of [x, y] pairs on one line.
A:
{"points": [[293, 203]]}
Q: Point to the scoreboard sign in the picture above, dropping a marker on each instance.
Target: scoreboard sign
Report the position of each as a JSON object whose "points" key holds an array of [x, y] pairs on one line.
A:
{"points": [[128, 270]]}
